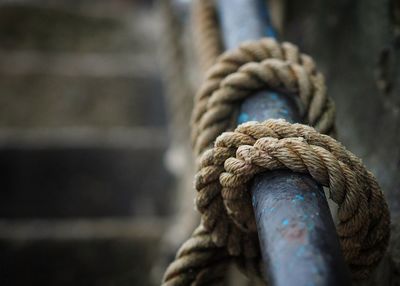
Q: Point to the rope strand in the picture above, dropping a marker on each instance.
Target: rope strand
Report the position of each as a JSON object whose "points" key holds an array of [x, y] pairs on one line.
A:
{"points": [[229, 157]]}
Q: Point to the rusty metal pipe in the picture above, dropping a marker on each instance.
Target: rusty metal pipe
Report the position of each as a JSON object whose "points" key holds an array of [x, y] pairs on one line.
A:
{"points": [[297, 235]]}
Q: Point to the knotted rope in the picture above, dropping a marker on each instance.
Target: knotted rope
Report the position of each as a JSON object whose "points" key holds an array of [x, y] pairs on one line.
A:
{"points": [[229, 160], [237, 74], [206, 32]]}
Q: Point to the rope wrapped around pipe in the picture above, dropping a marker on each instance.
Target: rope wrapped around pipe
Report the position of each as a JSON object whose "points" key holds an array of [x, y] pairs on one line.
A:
{"points": [[229, 158]]}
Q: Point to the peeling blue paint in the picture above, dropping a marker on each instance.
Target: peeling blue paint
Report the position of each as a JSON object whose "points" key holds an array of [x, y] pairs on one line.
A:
{"points": [[285, 112], [285, 222], [300, 251], [310, 226], [314, 269], [298, 198], [243, 117], [273, 96]]}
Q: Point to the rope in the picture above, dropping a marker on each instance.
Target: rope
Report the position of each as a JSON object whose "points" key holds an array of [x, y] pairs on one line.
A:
{"points": [[253, 148], [179, 99], [206, 33], [229, 161], [201, 261], [237, 74], [229, 158]]}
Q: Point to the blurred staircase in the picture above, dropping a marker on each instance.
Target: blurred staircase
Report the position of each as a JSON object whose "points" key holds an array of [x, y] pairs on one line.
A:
{"points": [[84, 192]]}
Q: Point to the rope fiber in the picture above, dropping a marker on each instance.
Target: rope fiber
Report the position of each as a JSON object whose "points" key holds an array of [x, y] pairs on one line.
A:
{"points": [[229, 157]]}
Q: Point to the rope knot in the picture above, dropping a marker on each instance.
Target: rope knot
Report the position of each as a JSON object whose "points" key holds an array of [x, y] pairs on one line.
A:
{"points": [[281, 145], [229, 158], [263, 64]]}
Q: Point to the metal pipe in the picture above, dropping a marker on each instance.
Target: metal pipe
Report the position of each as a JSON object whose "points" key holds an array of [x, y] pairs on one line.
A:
{"points": [[298, 239], [296, 231]]}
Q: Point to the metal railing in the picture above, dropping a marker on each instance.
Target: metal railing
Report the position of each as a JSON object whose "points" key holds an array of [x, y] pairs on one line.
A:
{"points": [[296, 231], [297, 235]]}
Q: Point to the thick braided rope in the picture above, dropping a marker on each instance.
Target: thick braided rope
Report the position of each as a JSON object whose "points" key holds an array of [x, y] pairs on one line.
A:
{"points": [[198, 262], [206, 33], [254, 147], [257, 65]]}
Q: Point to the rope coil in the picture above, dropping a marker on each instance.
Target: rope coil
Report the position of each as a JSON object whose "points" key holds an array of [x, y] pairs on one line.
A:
{"points": [[229, 157], [253, 66], [206, 32], [229, 160], [255, 147]]}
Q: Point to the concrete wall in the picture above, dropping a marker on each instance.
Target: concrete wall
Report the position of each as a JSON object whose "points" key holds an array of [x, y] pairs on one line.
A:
{"points": [[356, 44]]}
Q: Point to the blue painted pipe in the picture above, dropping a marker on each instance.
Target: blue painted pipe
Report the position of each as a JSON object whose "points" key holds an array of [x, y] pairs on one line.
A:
{"points": [[298, 238]]}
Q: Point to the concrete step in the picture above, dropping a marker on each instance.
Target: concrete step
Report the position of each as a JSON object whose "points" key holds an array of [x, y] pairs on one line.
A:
{"points": [[73, 64], [124, 26], [126, 65], [83, 173], [100, 252], [68, 101], [82, 141]]}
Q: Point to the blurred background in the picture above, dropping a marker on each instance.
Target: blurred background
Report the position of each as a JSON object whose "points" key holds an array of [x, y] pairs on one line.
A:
{"points": [[84, 191], [87, 188]]}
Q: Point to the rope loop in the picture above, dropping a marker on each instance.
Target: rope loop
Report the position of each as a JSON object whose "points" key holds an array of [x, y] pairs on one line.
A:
{"points": [[228, 158], [252, 148], [256, 65]]}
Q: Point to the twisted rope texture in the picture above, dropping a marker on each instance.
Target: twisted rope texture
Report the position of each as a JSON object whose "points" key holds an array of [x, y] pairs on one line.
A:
{"points": [[229, 161], [255, 147], [254, 66], [206, 33]]}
